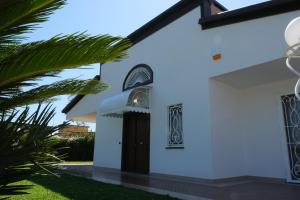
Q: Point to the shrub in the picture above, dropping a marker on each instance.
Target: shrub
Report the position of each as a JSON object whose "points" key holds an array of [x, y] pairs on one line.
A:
{"points": [[76, 148]]}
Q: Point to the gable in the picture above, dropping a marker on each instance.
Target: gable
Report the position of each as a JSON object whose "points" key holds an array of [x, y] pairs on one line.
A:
{"points": [[209, 19], [170, 15], [178, 10]]}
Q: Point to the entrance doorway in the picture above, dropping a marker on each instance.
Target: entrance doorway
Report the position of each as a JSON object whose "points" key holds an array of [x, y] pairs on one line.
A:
{"points": [[291, 111], [136, 142]]}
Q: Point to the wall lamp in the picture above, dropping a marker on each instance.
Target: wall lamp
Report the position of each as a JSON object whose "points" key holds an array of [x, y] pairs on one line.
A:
{"points": [[292, 37]]}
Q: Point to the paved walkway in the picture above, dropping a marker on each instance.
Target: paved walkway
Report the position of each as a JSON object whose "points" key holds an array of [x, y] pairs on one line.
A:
{"points": [[189, 188]]}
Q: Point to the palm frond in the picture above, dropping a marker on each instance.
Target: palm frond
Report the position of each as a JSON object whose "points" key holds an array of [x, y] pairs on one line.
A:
{"points": [[26, 139], [19, 17], [26, 145], [37, 59], [46, 92], [6, 49], [17, 87]]}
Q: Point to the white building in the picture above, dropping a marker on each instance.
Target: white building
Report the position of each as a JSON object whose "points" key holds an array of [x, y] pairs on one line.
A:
{"points": [[201, 95]]}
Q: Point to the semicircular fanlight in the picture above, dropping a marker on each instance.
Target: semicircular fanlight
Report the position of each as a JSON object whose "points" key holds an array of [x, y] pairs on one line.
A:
{"points": [[139, 97], [138, 76]]}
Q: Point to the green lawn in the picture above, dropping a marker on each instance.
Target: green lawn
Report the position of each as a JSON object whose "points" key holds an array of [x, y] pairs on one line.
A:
{"points": [[46, 187]]}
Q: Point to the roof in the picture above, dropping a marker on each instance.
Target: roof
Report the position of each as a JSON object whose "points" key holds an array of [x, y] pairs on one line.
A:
{"points": [[260, 10], [176, 11]]}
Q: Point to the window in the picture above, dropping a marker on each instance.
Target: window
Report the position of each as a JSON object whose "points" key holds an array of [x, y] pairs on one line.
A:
{"points": [[139, 75], [175, 136], [139, 97]]}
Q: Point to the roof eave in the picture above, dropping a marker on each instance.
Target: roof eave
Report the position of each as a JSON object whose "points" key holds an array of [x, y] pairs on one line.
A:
{"points": [[75, 100], [260, 10], [176, 11]]}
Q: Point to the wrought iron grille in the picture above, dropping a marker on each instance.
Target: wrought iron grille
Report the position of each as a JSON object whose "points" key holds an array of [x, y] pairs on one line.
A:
{"points": [[175, 137], [138, 76], [291, 109]]}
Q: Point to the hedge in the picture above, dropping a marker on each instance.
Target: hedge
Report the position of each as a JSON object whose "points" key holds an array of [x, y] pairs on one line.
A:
{"points": [[76, 148]]}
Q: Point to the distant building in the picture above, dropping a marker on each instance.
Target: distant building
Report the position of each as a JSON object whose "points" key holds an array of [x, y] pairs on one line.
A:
{"points": [[73, 131]]}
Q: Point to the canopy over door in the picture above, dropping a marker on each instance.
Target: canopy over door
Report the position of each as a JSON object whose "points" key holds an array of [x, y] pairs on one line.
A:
{"points": [[134, 100]]}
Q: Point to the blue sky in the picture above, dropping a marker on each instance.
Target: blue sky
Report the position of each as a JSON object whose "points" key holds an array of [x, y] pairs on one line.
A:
{"points": [[115, 17]]}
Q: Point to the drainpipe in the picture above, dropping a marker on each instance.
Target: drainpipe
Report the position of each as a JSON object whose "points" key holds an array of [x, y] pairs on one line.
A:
{"points": [[205, 8]]}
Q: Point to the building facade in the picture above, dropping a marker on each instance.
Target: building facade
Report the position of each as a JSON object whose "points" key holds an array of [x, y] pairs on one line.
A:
{"points": [[204, 93]]}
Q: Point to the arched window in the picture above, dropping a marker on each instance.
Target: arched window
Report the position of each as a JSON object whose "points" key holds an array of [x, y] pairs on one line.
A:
{"points": [[139, 75]]}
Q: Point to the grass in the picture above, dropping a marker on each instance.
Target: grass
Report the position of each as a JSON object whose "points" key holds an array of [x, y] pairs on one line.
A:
{"points": [[70, 187]]}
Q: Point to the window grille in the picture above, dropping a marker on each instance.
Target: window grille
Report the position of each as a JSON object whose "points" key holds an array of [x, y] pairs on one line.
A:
{"points": [[138, 76], [291, 111], [175, 136]]}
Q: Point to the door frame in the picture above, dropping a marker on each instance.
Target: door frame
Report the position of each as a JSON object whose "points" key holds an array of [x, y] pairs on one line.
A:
{"points": [[123, 156]]}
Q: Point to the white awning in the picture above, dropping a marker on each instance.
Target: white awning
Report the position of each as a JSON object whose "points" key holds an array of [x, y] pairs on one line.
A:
{"points": [[134, 100]]}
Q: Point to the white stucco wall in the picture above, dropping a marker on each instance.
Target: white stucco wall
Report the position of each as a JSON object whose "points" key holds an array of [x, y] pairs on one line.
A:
{"points": [[180, 56], [246, 44], [227, 135], [170, 72], [265, 142], [247, 130], [87, 105], [108, 145]]}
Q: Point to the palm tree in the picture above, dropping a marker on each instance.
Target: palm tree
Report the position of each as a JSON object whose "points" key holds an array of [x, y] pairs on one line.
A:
{"points": [[22, 64], [25, 144]]}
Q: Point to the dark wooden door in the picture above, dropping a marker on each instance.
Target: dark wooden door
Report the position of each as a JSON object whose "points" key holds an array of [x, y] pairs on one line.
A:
{"points": [[136, 143]]}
